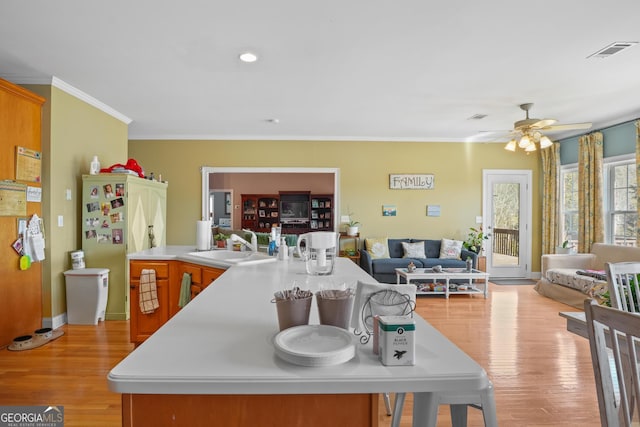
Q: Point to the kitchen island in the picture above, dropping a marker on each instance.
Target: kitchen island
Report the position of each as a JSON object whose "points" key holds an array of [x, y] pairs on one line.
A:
{"points": [[214, 363]]}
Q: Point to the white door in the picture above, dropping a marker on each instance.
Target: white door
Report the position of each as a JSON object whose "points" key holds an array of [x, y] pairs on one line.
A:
{"points": [[507, 217]]}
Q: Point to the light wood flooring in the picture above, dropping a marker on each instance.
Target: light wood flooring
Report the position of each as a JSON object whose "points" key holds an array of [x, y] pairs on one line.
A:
{"points": [[541, 373]]}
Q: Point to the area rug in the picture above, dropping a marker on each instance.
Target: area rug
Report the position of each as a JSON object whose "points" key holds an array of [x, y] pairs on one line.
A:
{"points": [[513, 281]]}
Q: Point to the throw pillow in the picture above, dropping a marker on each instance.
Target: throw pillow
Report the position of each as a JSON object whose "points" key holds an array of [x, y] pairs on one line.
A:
{"points": [[450, 249], [378, 248], [413, 250]]}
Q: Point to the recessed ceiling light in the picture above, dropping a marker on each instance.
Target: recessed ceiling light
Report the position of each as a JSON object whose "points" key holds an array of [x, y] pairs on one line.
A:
{"points": [[248, 57], [477, 117], [273, 121]]}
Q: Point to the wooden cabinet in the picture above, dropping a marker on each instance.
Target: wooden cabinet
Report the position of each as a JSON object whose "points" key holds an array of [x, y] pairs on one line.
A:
{"points": [[195, 271], [20, 290], [143, 325], [321, 213], [209, 274], [201, 277], [249, 211], [268, 213], [169, 276], [117, 213], [296, 212], [260, 212]]}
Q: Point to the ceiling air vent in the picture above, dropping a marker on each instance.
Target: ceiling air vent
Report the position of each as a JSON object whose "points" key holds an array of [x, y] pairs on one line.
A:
{"points": [[612, 49]]}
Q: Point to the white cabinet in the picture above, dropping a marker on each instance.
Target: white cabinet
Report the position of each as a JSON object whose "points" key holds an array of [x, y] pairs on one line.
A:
{"points": [[117, 210]]}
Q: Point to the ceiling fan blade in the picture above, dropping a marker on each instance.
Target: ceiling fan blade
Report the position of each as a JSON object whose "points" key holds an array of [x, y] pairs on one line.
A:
{"points": [[569, 126], [543, 124]]}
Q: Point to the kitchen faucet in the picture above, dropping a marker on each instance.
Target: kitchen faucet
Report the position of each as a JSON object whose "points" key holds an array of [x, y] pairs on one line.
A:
{"points": [[254, 240]]}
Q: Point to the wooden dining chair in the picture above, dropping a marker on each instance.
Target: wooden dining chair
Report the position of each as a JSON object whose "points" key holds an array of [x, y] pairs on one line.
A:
{"points": [[622, 283], [617, 379]]}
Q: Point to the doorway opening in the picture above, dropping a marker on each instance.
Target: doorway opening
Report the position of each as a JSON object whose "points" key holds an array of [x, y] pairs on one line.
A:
{"points": [[215, 178]]}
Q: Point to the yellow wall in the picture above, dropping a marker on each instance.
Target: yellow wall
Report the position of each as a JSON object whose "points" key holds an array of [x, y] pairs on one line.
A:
{"points": [[364, 180], [73, 132]]}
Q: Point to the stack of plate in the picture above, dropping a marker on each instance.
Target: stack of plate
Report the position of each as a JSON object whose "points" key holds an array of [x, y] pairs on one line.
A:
{"points": [[315, 345]]}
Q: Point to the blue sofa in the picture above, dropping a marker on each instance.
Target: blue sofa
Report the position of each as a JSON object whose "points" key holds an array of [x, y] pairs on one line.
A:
{"points": [[383, 270]]}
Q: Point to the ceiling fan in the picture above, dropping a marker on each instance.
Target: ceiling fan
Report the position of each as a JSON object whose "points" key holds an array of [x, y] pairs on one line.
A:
{"points": [[529, 131]]}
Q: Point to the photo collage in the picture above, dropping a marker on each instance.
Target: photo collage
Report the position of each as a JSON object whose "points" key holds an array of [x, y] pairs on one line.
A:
{"points": [[105, 218]]}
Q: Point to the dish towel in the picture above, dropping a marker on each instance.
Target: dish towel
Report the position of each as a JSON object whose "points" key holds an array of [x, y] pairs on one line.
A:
{"points": [[148, 291], [185, 290]]}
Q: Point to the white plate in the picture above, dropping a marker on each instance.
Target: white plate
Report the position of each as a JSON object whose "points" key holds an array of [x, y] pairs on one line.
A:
{"points": [[315, 345]]}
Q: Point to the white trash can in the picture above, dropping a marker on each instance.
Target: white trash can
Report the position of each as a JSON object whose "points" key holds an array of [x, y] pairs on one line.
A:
{"points": [[87, 292]]}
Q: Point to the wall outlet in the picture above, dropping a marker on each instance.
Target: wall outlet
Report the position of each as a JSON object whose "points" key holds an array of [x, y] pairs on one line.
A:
{"points": [[479, 219], [344, 218]]}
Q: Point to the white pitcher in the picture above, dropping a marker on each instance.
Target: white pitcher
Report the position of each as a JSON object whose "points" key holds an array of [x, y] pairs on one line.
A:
{"points": [[320, 251]]}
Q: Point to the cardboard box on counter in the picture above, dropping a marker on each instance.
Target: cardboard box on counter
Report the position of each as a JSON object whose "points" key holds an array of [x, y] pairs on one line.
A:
{"points": [[396, 340]]}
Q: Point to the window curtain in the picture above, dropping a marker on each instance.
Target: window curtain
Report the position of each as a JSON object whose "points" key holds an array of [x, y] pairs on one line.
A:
{"points": [[590, 196], [638, 181], [550, 197]]}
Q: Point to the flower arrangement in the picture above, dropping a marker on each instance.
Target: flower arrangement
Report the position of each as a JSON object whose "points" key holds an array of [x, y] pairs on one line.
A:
{"points": [[474, 240]]}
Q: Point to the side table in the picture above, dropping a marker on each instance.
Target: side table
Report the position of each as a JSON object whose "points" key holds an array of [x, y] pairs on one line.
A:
{"points": [[349, 247]]}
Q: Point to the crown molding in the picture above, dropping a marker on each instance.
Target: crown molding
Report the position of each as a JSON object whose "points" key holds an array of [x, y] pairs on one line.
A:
{"points": [[298, 138], [71, 90]]}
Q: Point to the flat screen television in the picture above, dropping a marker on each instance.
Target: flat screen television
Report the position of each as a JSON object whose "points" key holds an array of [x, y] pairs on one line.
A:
{"points": [[294, 211]]}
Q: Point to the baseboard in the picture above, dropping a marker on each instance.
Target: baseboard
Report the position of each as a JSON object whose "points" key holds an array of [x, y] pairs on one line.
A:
{"points": [[55, 322], [116, 316]]}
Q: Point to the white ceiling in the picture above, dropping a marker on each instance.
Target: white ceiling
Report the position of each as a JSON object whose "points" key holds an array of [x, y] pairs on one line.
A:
{"points": [[332, 69]]}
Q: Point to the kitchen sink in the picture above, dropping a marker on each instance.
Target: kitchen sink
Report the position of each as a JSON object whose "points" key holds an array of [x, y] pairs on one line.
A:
{"points": [[233, 257]]}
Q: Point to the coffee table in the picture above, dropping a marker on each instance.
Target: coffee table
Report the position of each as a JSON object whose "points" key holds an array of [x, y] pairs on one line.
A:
{"points": [[477, 281]]}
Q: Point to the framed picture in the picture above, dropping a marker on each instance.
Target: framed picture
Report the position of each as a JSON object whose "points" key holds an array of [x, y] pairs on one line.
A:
{"points": [[389, 210], [411, 181], [314, 203]]}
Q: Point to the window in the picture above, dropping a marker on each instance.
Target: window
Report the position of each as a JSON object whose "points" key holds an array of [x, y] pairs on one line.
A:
{"points": [[620, 201], [569, 204], [622, 212]]}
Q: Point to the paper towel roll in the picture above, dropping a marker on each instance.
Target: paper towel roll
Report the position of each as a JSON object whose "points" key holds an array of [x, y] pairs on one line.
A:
{"points": [[203, 235]]}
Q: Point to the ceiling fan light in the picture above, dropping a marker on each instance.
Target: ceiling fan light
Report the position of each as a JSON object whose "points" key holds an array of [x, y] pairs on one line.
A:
{"points": [[545, 142], [511, 145], [531, 147], [524, 141]]}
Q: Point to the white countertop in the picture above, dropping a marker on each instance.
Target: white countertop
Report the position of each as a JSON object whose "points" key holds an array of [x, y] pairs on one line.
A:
{"points": [[221, 343], [182, 253], [161, 253]]}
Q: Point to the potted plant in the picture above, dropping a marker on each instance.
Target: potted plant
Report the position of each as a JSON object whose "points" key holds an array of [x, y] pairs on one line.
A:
{"points": [[475, 239], [565, 248], [352, 226], [220, 239]]}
